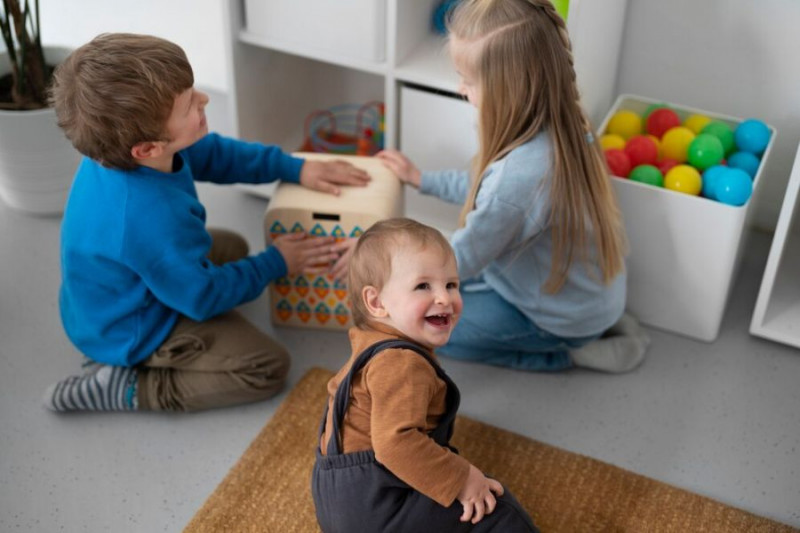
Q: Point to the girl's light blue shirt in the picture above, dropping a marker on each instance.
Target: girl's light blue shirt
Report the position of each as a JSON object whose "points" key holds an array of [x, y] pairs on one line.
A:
{"points": [[507, 241]]}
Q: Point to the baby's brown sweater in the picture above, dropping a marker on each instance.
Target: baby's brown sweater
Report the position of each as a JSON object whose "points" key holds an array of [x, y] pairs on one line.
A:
{"points": [[396, 401]]}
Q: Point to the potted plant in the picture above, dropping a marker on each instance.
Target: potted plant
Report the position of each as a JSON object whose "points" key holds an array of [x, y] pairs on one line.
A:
{"points": [[36, 161]]}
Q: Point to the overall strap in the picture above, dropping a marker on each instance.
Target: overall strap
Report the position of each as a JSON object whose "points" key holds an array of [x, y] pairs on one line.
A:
{"points": [[441, 434]]}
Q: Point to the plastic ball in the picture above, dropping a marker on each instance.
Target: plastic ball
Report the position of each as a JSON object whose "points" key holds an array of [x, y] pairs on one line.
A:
{"points": [[652, 107], [710, 177], [696, 122], [752, 135], [657, 142], [625, 123], [733, 187], [685, 179], [664, 165], [661, 120], [705, 151], [612, 140], [641, 150], [746, 161], [723, 132], [647, 174], [618, 162], [675, 143]]}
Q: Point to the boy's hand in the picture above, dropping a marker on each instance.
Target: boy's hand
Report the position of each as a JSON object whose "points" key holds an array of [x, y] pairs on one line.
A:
{"points": [[326, 175], [304, 254], [401, 166], [345, 250], [476, 496]]}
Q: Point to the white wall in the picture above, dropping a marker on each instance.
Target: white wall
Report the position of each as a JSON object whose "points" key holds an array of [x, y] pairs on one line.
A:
{"points": [[735, 57], [198, 26]]}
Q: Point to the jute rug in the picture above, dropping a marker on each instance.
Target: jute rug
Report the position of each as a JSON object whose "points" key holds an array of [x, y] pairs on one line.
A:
{"points": [[268, 488]]}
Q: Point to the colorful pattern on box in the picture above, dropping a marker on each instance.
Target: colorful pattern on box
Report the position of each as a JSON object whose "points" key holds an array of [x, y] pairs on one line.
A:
{"points": [[314, 300]]}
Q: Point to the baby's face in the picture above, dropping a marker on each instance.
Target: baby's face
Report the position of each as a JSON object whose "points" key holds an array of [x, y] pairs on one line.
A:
{"points": [[421, 296]]}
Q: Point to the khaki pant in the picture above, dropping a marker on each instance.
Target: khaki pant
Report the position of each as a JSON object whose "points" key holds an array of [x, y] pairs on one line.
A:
{"points": [[223, 361]]}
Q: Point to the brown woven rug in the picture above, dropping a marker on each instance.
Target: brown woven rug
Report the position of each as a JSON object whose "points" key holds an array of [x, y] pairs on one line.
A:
{"points": [[269, 487]]}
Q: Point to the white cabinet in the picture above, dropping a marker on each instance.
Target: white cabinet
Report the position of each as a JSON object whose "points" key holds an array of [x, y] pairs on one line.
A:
{"points": [[777, 313], [299, 61]]}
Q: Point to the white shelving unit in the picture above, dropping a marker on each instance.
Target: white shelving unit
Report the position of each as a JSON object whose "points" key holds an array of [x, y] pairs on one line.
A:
{"points": [[278, 79], [777, 312]]}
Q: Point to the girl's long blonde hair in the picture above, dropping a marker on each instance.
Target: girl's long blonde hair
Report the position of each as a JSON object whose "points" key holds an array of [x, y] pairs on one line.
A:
{"points": [[521, 54]]}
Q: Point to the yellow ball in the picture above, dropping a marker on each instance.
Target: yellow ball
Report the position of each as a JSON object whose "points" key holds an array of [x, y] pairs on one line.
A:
{"points": [[625, 123], [685, 179], [675, 143], [612, 140], [657, 142], [696, 122]]}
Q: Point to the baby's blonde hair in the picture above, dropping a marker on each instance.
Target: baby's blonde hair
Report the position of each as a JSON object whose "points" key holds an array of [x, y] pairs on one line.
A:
{"points": [[371, 264], [521, 54]]}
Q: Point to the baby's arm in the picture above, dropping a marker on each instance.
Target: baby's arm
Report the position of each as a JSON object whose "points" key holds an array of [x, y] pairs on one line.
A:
{"points": [[401, 385]]}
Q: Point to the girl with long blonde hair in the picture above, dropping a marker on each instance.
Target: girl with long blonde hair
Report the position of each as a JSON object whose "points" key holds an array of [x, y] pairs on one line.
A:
{"points": [[541, 242]]}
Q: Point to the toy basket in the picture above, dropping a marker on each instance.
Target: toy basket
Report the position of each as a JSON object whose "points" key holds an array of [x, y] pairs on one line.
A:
{"points": [[345, 129]]}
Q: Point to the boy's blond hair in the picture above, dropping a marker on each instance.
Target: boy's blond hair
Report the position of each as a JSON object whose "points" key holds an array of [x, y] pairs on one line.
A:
{"points": [[371, 263], [116, 91]]}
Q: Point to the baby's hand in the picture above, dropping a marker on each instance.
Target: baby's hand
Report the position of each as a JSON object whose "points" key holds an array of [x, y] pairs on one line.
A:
{"points": [[476, 495], [305, 254], [402, 166], [326, 175]]}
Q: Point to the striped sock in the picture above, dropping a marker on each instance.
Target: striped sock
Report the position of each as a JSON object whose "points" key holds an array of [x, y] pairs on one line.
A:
{"points": [[105, 388]]}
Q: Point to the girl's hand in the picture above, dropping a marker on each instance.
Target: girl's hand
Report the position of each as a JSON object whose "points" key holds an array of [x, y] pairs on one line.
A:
{"points": [[326, 175], [477, 496], [304, 254], [345, 250], [401, 166]]}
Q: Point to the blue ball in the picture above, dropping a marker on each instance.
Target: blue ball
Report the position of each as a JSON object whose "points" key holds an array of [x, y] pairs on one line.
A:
{"points": [[710, 178], [747, 161], [752, 135], [734, 187]]}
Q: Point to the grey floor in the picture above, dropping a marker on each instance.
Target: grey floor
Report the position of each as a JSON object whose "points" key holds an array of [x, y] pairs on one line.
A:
{"points": [[720, 419]]}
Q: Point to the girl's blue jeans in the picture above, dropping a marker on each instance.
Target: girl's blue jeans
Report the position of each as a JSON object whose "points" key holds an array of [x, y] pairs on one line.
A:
{"points": [[494, 332]]}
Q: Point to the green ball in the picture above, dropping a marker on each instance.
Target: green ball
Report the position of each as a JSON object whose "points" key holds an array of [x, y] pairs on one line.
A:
{"points": [[647, 174], [651, 108], [723, 132], [705, 151]]}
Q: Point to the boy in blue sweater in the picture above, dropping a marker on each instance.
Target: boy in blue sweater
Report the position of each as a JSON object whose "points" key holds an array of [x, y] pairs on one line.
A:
{"points": [[147, 292]]}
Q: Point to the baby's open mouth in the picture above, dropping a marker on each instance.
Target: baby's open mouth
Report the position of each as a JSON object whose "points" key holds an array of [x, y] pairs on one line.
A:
{"points": [[438, 320]]}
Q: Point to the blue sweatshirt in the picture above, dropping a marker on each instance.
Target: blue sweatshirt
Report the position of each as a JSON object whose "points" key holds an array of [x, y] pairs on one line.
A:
{"points": [[507, 240], [134, 248]]}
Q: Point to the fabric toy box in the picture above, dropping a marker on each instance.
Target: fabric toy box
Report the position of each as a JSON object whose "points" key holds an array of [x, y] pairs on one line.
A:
{"points": [[319, 301]]}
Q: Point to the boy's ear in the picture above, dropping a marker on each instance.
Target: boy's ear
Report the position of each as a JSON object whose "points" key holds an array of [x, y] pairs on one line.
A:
{"points": [[147, 150], [372, 300]]}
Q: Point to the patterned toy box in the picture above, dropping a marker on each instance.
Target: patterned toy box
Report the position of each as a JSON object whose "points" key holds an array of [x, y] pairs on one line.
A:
{"points": [[319, 301]]}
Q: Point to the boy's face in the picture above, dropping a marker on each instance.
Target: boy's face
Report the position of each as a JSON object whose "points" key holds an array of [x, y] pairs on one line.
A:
{"points": [[187, 121], [421, 297]]}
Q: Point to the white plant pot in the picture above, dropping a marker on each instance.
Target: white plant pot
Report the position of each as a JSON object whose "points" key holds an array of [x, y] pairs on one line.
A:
{"points": [[37, 162]]}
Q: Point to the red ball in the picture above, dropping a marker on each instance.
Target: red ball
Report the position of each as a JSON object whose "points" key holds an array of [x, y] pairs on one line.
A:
{"points": [[641, 150], [618, 162], [665, 164], [660, 120]]}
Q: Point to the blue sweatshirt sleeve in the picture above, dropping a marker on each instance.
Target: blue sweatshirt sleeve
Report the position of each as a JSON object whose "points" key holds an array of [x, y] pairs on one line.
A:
{"points": [[175, 266], [449, 185], [224, 160]]}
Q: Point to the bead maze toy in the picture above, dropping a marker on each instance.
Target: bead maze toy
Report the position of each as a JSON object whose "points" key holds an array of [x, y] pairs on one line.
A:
{"points": [[345, 129], [319, 301]]}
